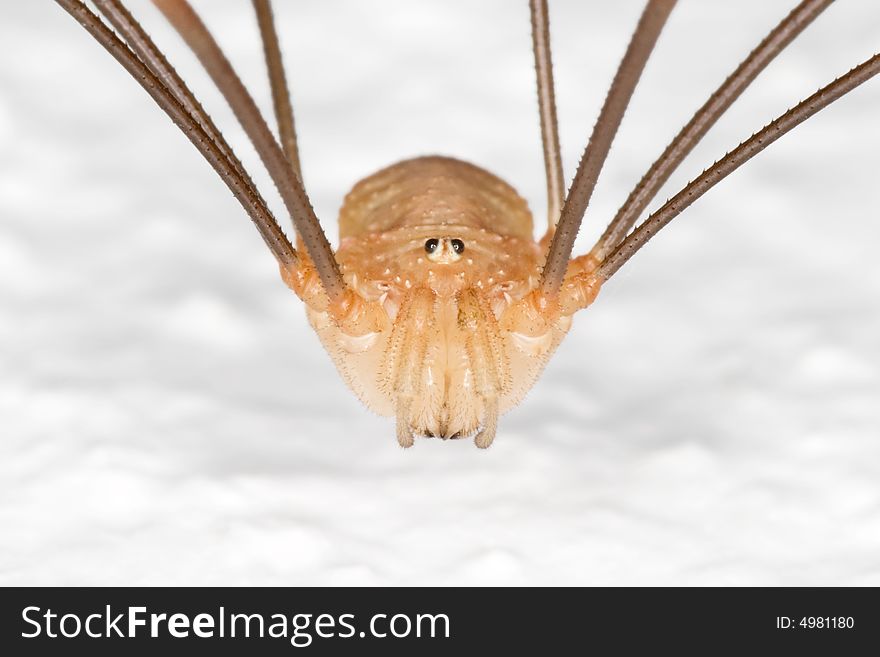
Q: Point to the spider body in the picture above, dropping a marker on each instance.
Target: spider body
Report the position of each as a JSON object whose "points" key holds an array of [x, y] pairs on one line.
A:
{"points": [[445, 248]]}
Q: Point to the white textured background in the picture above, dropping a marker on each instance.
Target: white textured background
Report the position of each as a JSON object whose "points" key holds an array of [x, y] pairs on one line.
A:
{"points": [[167, 417]]}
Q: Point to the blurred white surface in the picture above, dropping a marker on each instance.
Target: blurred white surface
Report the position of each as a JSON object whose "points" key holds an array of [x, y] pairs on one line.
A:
{"points": [[167, 417]]}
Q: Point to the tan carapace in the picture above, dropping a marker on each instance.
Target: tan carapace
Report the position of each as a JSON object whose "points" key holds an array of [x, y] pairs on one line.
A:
{"points": [[443, 252]]}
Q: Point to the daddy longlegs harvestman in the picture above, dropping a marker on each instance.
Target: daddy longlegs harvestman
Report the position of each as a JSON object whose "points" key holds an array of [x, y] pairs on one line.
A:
{"points": [[439, 307]]}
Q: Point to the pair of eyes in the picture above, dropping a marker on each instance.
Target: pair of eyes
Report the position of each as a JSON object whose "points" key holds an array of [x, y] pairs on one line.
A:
{"points": [[432, 244]]}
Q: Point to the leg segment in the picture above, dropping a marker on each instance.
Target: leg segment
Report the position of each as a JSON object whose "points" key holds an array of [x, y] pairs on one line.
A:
{"points": [[705, 117], [216, 152], [733, 160], [182, 17], [547, 110], [278, 82], [642, 43], [138, 40]]}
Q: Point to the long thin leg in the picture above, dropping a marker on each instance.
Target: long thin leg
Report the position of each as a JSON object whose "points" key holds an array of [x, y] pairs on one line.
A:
{"points": [[138, 40], [187, 23], [705, 117], [243, 191], [733, 160], [547, 111], [640, 46], [278, 82]]}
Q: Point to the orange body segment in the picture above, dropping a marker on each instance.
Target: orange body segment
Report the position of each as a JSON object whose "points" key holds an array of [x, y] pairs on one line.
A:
{"points": [[446, 249]]}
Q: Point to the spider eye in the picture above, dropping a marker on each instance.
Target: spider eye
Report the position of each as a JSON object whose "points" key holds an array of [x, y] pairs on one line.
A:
{"points": [[457, 246], [431, 245]]}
